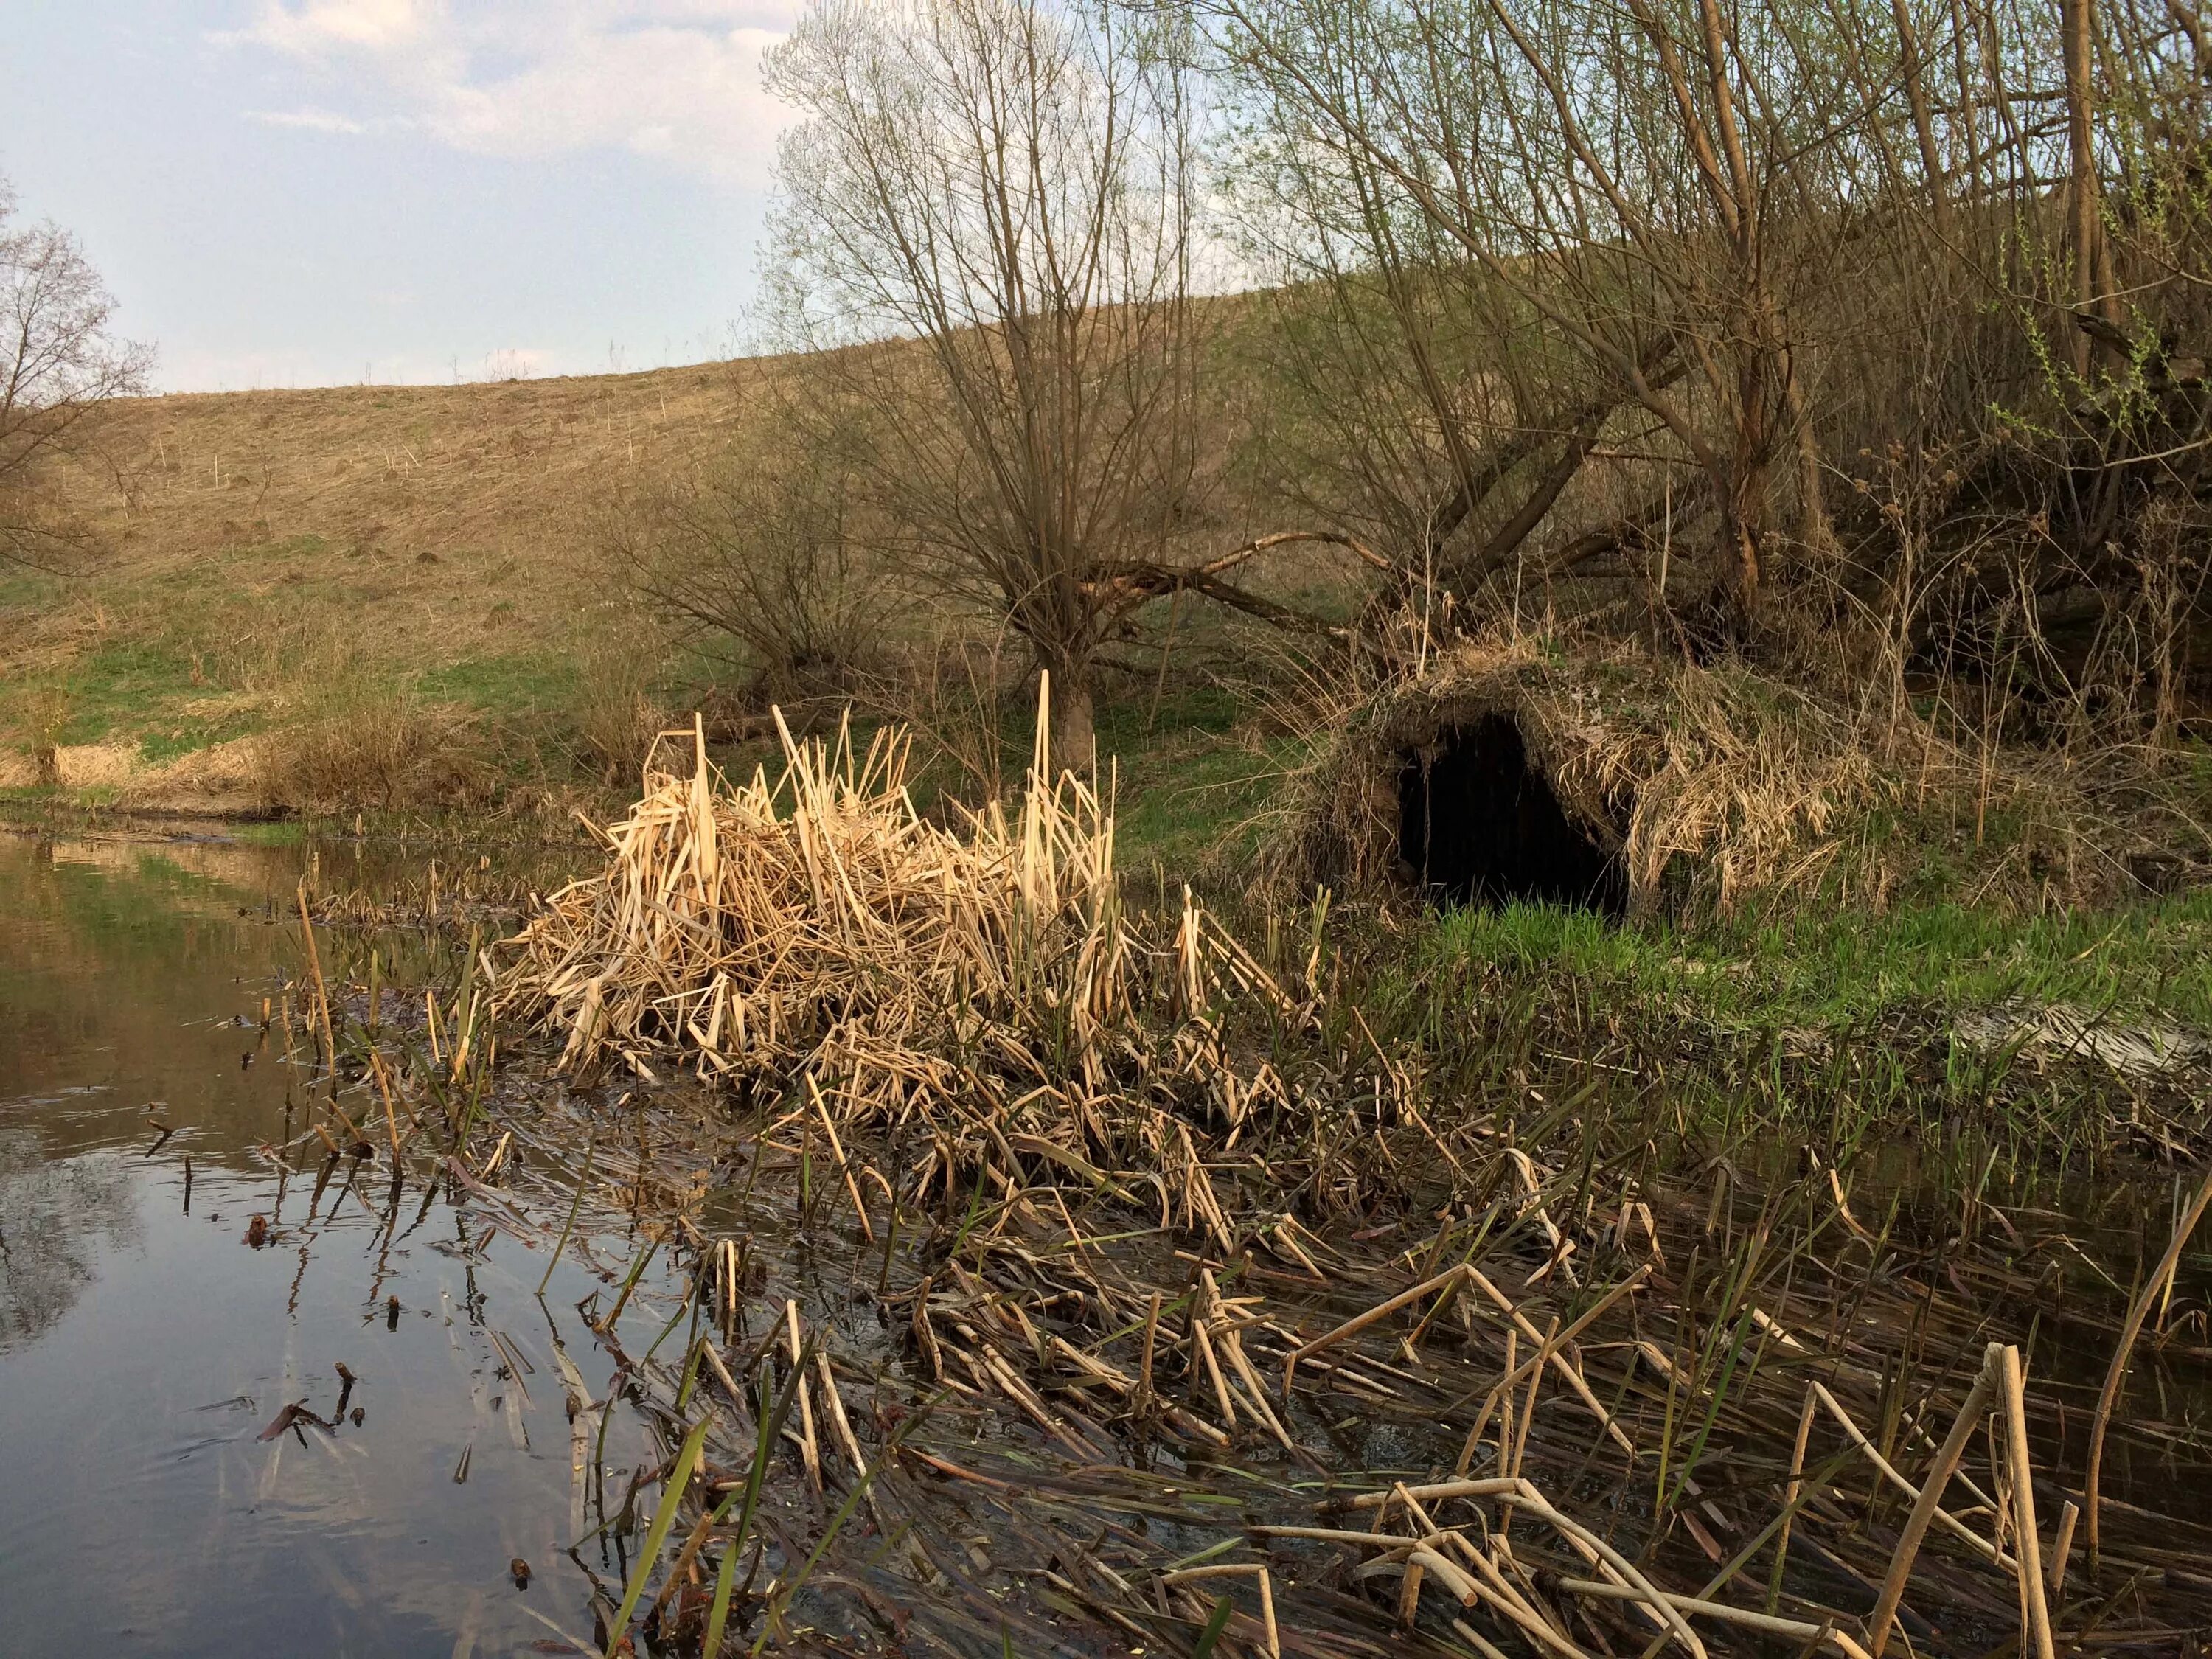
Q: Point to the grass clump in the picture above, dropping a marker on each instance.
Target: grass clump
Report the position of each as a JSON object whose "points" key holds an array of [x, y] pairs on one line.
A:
{"points": [[357, 737]]}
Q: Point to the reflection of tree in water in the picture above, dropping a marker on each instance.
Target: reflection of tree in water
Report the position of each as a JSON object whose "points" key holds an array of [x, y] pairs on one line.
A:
{"points": [[53, 1215]]}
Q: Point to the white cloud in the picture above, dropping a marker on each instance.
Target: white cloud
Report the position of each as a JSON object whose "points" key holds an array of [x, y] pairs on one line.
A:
{"points": [[375, 25], [679, 79], [312, 120]]}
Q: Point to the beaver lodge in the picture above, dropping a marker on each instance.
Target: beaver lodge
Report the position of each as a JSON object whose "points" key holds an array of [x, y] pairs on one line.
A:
{"points": [[1621, 783]]}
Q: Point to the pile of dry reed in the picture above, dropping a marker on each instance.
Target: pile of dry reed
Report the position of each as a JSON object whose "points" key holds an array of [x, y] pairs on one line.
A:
{"points": [[815, 934]]}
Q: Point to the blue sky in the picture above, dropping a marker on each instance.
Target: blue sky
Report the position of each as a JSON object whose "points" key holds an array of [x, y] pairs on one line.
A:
{"points": [[304, 192]]}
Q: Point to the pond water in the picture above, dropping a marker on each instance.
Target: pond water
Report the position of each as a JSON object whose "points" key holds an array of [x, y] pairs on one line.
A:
{"points": [[151, 1330], [181, 1265]]}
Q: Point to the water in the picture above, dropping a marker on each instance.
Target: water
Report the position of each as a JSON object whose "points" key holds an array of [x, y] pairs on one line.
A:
{"points": [[145, 1343], [150, 1334]]}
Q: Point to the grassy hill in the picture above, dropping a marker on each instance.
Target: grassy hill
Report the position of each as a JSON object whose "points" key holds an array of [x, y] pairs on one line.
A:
{"points": [[426, 569], [257, 547]]}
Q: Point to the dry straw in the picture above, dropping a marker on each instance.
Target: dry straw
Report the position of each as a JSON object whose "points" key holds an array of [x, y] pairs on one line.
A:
{"points": [[817, 929]]}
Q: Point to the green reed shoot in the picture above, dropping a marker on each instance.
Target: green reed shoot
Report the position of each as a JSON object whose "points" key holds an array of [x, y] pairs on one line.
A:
{"points": [[672, 1494]]}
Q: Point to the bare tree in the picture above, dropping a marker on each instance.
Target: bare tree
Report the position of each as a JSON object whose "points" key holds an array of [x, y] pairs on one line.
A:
{"points": [[1689, 275], [59, 362], [999, 194], [1631, 201], [756, 552]]}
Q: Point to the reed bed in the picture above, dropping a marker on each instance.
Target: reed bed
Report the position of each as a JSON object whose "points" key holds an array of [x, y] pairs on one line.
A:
{"points": [[1709, 1421], [977, 986], [1048, 1280]]}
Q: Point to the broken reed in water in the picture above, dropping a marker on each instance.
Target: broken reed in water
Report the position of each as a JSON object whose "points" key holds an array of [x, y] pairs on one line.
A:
{"points": [[1776, 1440], [1145, 1198]]}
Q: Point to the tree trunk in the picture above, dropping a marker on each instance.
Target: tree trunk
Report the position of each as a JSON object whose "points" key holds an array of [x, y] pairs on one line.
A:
{"points": [[1814, 528], [1744, 580], [1074, 742], [2084, 221]]}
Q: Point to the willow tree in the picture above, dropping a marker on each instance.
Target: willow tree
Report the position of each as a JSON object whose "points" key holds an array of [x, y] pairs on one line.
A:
{"points": [[986, 223], [1629, 238]]}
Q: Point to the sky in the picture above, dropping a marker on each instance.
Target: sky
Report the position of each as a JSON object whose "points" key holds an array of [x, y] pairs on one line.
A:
{"points": [[318, 193]]}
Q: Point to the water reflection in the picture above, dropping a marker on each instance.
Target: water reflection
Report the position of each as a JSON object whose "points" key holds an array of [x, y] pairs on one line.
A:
{"points": [[53, 1217], [150, 1333]]}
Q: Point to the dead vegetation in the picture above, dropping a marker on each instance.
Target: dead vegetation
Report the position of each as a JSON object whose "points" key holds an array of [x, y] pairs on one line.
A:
{"points": [[982, 980], [363, 744], [398, 484], [1203, 1315]]}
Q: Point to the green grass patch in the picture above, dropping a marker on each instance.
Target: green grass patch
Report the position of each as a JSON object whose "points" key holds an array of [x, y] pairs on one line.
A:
{"points": [[274, 552], [135, 689], [186, 735], [2151, 959], [285, 832], [1191, 809], [29, 590], [531, 683], [1131, 727], [1189, 787], [123, 685]]}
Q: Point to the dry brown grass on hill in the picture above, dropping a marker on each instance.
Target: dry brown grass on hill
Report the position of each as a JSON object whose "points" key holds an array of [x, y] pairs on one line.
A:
{"points": [[420, 493], [443, 545]]}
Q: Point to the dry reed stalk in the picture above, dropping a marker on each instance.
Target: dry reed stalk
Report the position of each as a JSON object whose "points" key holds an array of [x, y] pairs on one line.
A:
{"points": [[2028, 1543], [1808, 1636], [1789, 1495], [2061, 1547], [391, 1117], [810, 1448], [1957, 1528], [2110, 1396], [1489, 1585], [322, 993], [1450, 1278], [1486, 1487], [1925, 1507], [844, 1168]]}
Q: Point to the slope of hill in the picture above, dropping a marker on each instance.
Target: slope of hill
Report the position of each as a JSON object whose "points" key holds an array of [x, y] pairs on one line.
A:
{"points": [[257, 547]]}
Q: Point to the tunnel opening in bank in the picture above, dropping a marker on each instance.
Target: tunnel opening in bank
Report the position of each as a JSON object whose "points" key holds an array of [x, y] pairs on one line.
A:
{"points": [[1479, 824]]}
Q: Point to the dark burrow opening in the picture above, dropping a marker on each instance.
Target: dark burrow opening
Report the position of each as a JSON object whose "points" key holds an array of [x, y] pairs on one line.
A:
{"points": [[1478, 824]]}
